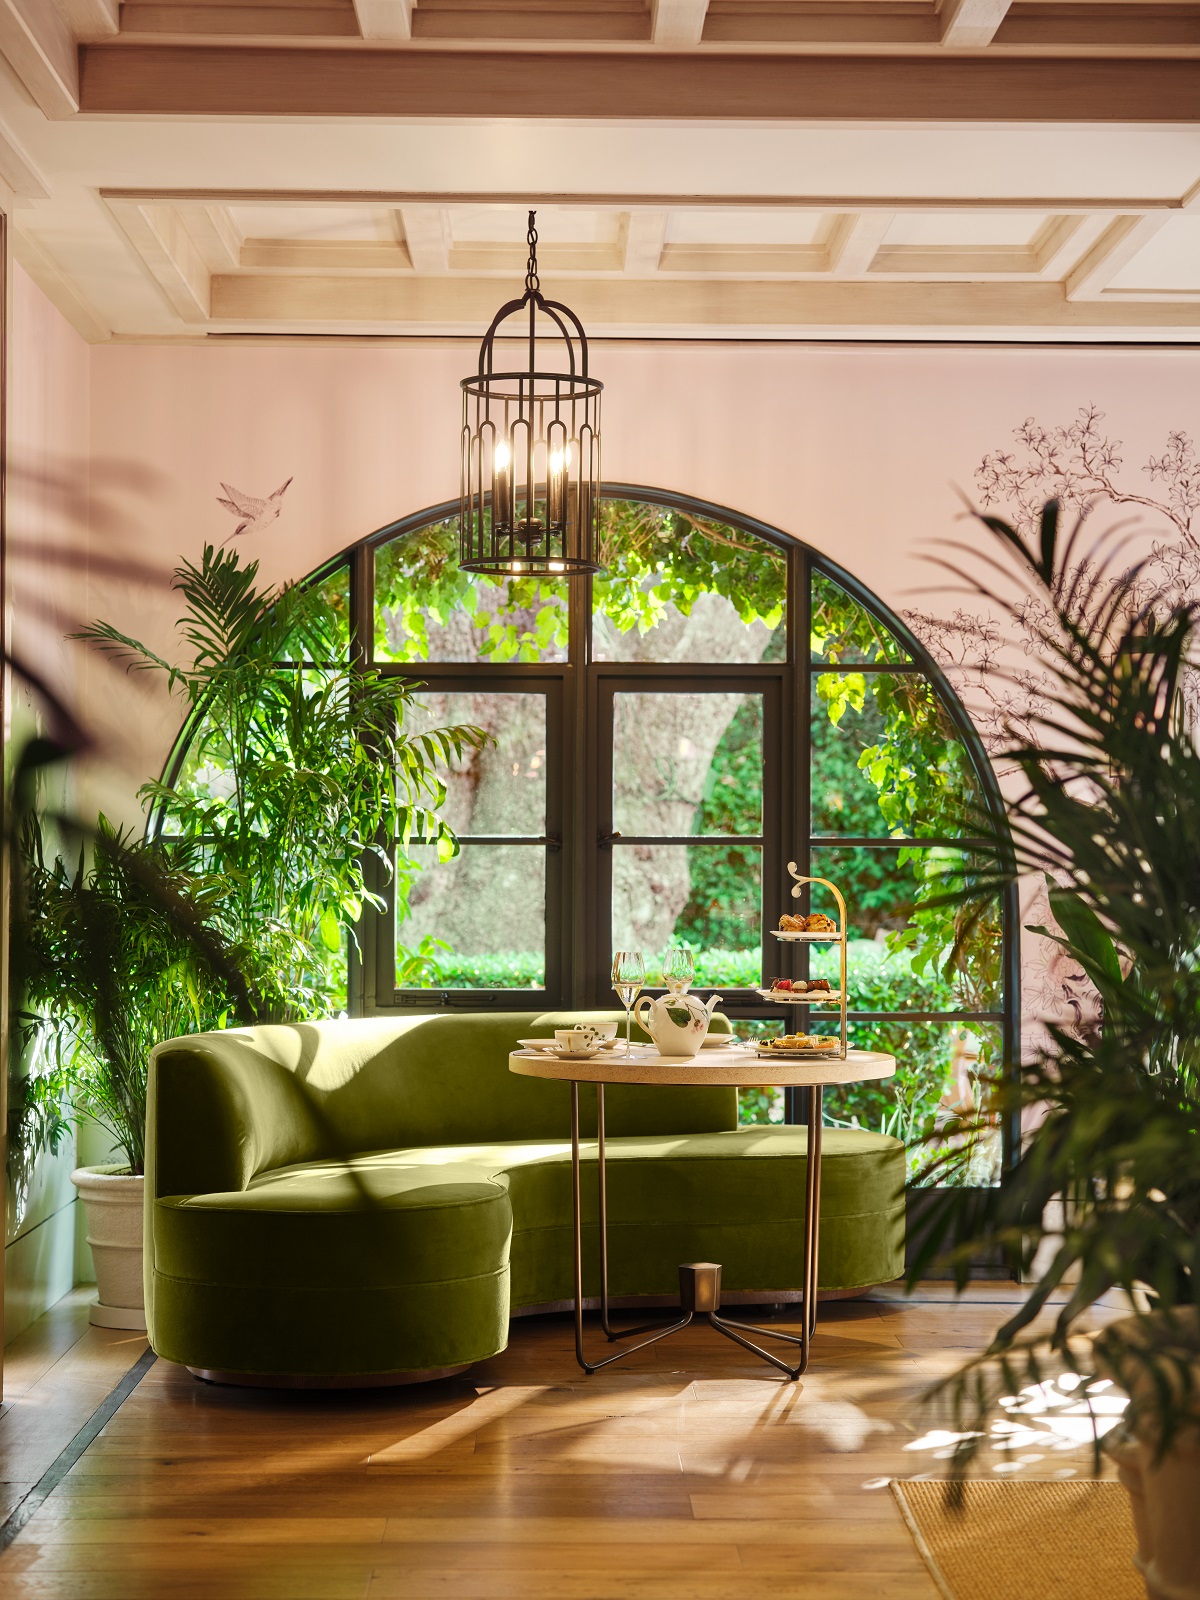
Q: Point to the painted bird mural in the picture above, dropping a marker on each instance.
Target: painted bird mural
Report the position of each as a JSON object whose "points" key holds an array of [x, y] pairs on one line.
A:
{"points": [[254, 515]]}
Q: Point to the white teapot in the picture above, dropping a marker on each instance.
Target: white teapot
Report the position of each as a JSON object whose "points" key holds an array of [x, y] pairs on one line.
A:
{"points": [[676, 1022]]}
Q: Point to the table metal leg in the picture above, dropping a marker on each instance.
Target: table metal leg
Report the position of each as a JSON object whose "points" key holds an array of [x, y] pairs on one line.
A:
{"points": [[576, 1199], [731, 1329], [602, 1171], [812, 1222]]}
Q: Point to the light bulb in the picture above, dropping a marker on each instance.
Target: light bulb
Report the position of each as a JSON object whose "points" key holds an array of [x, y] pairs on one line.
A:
{"points": [[557, 566], [516, 567], [501, 456], [556, 461]]}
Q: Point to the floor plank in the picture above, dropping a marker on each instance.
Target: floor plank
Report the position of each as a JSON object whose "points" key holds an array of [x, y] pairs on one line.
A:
{"points": [[691, 1474]]}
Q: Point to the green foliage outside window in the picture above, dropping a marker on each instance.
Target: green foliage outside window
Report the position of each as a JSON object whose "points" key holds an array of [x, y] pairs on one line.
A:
{"points": [[419, 589], [655, 557]]}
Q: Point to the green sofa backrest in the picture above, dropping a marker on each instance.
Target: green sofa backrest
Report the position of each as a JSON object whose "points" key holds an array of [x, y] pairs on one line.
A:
{"points": [[226, 1106]]}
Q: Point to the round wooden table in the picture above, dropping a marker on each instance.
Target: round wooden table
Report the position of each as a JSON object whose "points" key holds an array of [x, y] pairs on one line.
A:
{"points": [[700, 1281]]}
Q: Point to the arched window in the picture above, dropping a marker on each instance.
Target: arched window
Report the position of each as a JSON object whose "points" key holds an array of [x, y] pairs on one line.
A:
{"points": [[665, 740]]}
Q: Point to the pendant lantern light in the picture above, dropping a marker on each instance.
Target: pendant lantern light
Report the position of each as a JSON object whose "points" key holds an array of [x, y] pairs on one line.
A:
{"points": [[529, 496]]}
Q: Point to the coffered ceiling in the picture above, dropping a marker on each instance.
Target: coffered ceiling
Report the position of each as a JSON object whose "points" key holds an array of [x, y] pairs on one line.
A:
{"points": [[741, 168]]}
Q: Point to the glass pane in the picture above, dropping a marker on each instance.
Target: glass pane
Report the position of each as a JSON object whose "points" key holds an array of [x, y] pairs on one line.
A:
{"points": [[687, 763], [758, 1106], [708, 896], [681, 588], [887, 760], [942, 1071], [843, 630], [427, 610], [900, 939], [500, 789], [325, 634], [476, 922]]}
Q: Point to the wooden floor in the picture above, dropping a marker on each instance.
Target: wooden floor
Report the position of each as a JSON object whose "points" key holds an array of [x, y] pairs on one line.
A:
{"points": [[693, 1473]]}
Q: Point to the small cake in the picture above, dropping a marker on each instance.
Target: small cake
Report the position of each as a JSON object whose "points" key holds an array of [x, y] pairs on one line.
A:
{"points": [[790, 924], [819, 986], [819, 923]]}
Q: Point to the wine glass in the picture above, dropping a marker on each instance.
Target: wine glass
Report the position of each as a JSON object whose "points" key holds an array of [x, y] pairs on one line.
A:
{"points": [[628, 976], [679, 969]]}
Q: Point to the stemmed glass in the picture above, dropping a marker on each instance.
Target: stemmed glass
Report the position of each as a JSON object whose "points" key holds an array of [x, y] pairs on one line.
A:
{"points": [[628, 976], [679, 969]]}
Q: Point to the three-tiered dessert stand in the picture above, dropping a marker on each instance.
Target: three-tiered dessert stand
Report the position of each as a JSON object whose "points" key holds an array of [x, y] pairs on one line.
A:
{"points": [[804, 998]]}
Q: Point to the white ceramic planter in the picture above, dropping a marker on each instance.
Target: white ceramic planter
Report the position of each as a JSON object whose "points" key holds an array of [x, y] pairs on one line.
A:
{"points": [[1164, 1496], [113, 1200]]}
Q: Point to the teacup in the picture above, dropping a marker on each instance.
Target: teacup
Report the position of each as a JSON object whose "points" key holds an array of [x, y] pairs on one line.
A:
{"points": [[579, 1041]]}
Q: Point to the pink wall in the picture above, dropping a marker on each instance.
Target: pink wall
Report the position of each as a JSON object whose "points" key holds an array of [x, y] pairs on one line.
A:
{"points": [[856, 449], [48, 477], [48, 446], [862, 451]]}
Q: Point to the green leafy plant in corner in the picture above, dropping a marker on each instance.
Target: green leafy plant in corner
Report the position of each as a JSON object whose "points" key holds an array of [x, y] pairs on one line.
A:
{"points": [[1109, 813], [299, 775], [105, 969]]}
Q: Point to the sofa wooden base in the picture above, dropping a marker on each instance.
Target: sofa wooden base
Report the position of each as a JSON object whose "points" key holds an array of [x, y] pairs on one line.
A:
{"points": [[304, 1380]]}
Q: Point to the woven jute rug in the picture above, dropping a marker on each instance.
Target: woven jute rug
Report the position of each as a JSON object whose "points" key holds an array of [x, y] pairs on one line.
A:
{"points": [[1059, 1540]]}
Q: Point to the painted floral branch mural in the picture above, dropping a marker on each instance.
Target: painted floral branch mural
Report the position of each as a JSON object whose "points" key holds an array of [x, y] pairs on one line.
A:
{"points": [[1083, 467], [1080, 465]]}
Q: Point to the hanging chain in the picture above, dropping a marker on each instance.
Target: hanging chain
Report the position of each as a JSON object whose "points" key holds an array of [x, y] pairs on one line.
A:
{"points": [[531, 271]]}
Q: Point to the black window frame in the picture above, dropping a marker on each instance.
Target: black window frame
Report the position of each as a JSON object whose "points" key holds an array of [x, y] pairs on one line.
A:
{"points": [[577, 690]]}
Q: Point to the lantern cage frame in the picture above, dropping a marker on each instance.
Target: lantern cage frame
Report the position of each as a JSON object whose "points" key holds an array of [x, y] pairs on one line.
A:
{"points": [[529, 497]]}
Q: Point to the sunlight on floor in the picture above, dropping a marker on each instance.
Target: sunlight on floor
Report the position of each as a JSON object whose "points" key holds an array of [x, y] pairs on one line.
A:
{"points": [[1067, 1413]]}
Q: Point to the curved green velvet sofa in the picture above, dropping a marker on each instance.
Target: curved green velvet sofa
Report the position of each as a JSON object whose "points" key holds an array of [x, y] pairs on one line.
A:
{"points": [[361, 1199]]}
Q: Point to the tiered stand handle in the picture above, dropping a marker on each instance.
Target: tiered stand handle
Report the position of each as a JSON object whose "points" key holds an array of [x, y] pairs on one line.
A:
{"points": [[797, 889]]}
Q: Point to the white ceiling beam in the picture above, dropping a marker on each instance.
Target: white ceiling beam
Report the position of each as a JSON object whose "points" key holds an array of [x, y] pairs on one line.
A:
{"points": [[91, 19], [623, 200], [1065, 240], [405, 302], [427, 238], [645, 234], [675, 24], [17, 171], [384, 19], [215, 235], [161, 238], [855, 241], [1121, 241], [971, 24], [37, 43]]}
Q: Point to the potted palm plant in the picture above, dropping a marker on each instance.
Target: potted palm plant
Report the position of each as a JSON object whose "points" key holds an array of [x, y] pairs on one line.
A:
{"points": [[1108, 810], [108, 962]]}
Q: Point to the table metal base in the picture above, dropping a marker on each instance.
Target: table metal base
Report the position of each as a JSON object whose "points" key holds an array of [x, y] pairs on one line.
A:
{"points": [[699, 1281]]}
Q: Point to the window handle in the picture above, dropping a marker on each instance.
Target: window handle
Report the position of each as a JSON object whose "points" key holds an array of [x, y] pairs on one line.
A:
{"points": [[552, 841], [605, 840]]}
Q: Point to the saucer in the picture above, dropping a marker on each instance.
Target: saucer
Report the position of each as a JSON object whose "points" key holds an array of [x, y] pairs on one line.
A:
{"points": [[550, 1047]]}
